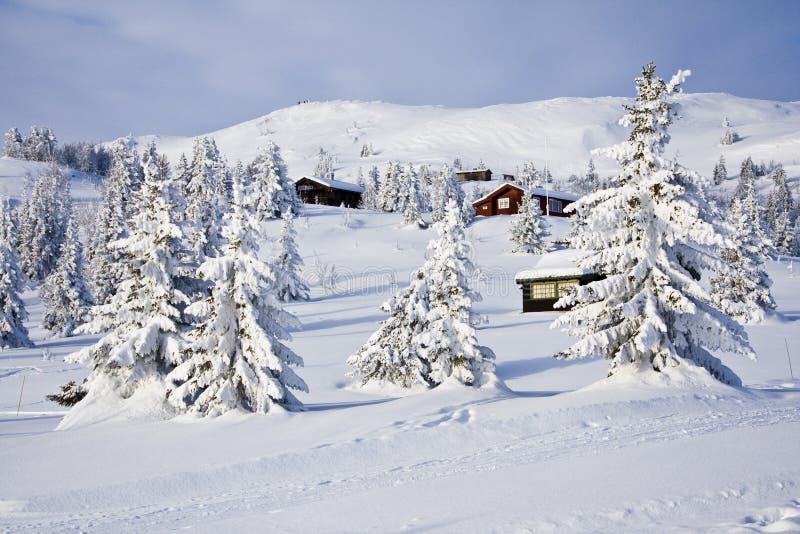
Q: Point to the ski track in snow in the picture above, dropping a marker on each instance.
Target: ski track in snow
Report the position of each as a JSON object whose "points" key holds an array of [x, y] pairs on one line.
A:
{"points": [[240, 490]]}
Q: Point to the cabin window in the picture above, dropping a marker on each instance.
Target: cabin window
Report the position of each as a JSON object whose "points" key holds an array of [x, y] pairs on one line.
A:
{"points": [[305, 187], [551, 289], [555, 205], [485, 207], [503, 203]]}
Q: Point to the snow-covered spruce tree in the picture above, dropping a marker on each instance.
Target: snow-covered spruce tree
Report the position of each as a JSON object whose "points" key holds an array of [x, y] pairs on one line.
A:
{"points": [[14, 145], [720, 171], [372, 187], [142, 321], [411, 195], [13, 314], [236, 357], [445, 188], [529, 177], [650, 235], [429, 335], [747, 179], [390, 188], [288, 264], [203, 205], [528, 228], [46, 212], [730, 136], [272, 192], [64, 293], [743, 291], [778, 211], [589, 182], [324, 166]]}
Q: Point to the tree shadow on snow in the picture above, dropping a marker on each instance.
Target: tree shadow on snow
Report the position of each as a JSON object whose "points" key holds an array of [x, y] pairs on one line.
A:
{"points": [[326, 406], [519, 368]]}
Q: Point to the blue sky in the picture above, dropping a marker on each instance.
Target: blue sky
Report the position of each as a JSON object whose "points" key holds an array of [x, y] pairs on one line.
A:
{"points": [[98, 70]]}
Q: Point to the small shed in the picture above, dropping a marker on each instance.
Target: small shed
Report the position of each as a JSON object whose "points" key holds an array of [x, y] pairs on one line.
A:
{"points": [[505, 200], [315, 190], [475, 175], [554, 274]]}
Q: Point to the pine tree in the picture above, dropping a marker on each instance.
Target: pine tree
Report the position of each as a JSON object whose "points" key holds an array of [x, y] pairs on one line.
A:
{"points": [[779, 206], [649, 235], [14, 144], [429, 335], [13, 314], [324, 167], [203, 205], [390, 188], [142, 320], [372, 187], [273, 193], [46, 213], [64, 292], [743, 292], [730, 136], [528, 228], [411, 195], [445, 188], [236, 357], [720, 171], [288, 264], [747, 179]]}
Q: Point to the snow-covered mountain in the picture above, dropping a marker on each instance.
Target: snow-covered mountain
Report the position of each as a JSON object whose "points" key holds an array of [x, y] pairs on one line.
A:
{"points": [[561, 131]]}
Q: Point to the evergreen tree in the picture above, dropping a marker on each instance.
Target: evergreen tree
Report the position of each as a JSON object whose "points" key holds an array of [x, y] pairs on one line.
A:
{"points": [[720, 171], [390, 188], [273, 194], [64, 292], [730, 136], [288, 264], [528, 228], [203, 205], [142, 320], [429, 335], [778, 211], [324, 167], [747, 179], [372, 187], [236, 357], [445, 188], [14, 144], [46, 214], [12, 310], [411, 195], [106, 262], [650, 236], [743, 291]]}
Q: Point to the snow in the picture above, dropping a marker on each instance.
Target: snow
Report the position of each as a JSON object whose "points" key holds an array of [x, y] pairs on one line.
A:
{"points": [[551, 446], [554, 264], [558, 449], [336, 184], [13, 172]]}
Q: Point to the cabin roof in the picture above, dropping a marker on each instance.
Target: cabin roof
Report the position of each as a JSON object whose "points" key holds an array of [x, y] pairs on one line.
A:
{"points": [[335, 184], [553, 265], [468, 171]]}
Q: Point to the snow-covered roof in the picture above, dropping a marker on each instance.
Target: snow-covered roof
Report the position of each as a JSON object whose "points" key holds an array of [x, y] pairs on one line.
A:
{"points": [[538, 191], [336, 184], [558, 264]]}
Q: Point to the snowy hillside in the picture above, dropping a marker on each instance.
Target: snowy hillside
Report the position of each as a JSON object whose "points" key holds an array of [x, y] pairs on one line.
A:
{"points": [[557, 449], [14, 171], [563, 130]]}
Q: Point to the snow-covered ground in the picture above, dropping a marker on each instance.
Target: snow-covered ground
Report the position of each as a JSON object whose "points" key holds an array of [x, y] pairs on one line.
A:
{"points": [[561, 132], [552, 447]]}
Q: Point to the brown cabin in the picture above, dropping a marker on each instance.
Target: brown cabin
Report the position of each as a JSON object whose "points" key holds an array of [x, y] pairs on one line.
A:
{"points": [[475, 175], [328, 192], [505, 200]]}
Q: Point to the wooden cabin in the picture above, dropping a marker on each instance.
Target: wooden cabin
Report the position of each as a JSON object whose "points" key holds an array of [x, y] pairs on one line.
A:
{"points": [[328, 192], [475, 175], [505, 200], [554, 275]]}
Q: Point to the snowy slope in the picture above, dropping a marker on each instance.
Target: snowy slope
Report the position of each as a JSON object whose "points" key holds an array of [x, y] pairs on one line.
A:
{"points": [[563, 131], [13, 173], [559, 449]]}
